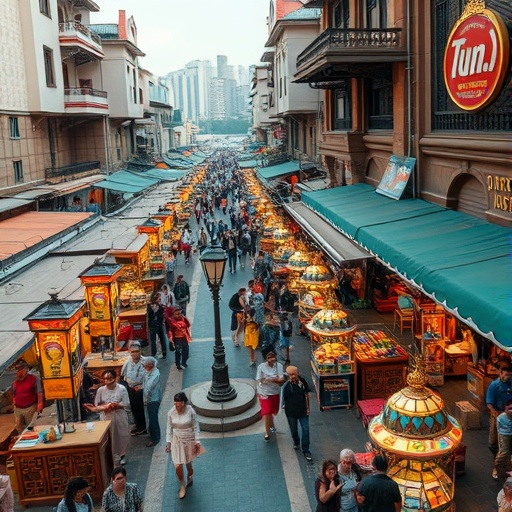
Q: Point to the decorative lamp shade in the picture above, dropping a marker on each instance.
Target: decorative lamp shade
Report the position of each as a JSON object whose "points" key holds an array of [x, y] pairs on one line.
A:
{"points": [[213, 261], [419, 438]]}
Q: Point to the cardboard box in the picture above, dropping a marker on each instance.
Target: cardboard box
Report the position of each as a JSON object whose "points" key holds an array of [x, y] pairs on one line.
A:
{"points": [[468, 415]]}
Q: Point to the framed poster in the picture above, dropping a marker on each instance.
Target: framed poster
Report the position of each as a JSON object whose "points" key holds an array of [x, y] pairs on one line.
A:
{"points": [[396, 176]]}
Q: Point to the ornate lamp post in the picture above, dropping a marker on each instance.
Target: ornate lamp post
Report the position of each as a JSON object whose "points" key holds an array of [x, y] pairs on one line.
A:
{"points": [[213, 261]]}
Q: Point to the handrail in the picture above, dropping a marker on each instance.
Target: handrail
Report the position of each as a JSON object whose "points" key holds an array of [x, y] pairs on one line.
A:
{"points": [[75, 26], [84, 91], [351, 38]]}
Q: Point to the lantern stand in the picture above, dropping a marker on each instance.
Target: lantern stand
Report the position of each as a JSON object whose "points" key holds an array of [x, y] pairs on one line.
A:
{"points": [[213, 261]]}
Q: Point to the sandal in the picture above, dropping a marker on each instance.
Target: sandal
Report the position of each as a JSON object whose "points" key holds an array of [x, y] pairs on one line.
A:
{"points": [[266, 437], [236, 344]]}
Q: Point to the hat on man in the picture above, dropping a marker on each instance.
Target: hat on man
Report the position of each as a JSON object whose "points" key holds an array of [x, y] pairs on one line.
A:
{"points": [[20, 364]]}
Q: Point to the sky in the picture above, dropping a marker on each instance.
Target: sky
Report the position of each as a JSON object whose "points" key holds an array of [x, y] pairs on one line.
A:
{"points": [[174, 32]]}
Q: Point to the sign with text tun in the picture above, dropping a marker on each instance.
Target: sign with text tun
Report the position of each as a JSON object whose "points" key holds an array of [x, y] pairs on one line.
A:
{"points": [[476, 57]]}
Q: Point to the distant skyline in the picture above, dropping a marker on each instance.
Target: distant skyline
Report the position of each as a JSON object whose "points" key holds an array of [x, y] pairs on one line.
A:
{"points": [[174, 32]]}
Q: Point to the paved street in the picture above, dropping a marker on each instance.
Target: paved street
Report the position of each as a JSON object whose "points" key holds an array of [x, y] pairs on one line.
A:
{"points": [[239, 470]]}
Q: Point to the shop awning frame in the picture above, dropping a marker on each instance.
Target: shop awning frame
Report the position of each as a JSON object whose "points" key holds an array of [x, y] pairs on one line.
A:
{"points": [[462, 262], [338, 248], [278, 171]]}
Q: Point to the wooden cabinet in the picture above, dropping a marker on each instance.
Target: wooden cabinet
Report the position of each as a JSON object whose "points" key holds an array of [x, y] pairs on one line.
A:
{"points": [[43, 470]]}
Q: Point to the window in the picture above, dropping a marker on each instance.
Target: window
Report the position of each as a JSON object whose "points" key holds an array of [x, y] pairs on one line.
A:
{"points": [[341, 14], [48, 67], [381, 104], [44, 7], [343, 119], [18, 171], [14, 129]]}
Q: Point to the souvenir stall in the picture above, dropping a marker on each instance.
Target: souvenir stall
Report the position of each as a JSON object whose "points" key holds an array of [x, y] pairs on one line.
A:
{"points": [[134, 289], [421, 441], [154, 229], [103, 305], [49, 455], [381, 364], [333, 369], [317, 292]]}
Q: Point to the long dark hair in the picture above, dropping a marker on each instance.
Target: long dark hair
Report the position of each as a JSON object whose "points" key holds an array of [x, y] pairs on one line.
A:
{"points": [[77, 483]]}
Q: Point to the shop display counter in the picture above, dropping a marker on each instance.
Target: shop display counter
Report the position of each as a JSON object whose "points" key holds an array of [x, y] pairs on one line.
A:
{"points": [[43, 469], [333, 368], [97, 365], [478, 382], [381, 364]]}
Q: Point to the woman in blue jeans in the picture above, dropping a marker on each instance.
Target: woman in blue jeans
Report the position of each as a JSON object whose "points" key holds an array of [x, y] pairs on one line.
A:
{"points": [[152, 393]]}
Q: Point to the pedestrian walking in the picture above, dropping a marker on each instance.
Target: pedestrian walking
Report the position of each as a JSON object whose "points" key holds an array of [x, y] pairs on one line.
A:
{"points": [[178, 332], [132, 373], [350, 475], [121, 496], [378, 492], [182, 294], [328, 488], [111, 402], [270, 377], [285, 333], [182, 440], [152, 395], [496, 397], [76, 498], [504, 428], [155, 321], [295, 395]]}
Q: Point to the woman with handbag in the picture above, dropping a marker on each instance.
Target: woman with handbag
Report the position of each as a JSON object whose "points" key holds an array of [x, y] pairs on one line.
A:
{"points": [[182, 442]]}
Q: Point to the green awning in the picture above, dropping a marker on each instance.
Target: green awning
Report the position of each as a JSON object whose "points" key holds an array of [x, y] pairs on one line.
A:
{"points": [[278, 171], [247, 164], [165, 174], [463, 262], [128, 182]]}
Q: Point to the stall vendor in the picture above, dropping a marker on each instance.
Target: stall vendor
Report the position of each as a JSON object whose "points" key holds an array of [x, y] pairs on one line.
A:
{"points": [[27, 395]]}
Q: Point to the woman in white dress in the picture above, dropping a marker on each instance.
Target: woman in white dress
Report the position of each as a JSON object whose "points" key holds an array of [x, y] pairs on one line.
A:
{"points": [[182, 443], [112, 402]]}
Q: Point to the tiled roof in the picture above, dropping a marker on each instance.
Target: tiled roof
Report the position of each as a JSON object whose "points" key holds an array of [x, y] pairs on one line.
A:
{"points": [[304, 14], [106, 30]]}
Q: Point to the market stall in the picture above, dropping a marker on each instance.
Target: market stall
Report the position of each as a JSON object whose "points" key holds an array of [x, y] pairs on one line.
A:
{"points": [[43, 467], [134, 289], [381, 364], [333, 368], [154, 229]]}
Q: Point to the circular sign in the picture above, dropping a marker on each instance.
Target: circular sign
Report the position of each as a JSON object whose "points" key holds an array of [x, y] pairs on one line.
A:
{"points": [[476, 60]]}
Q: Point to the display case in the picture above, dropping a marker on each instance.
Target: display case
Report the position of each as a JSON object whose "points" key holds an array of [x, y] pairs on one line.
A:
{"points": [[381, 364], [333, 367], [154, 229], [478, 382]]}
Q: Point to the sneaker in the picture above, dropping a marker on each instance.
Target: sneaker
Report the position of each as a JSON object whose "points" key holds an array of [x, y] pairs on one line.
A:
{"points": [[179, 368], [122, 461], [296, 446], [253, 364], [307, 456], [184, 365]]}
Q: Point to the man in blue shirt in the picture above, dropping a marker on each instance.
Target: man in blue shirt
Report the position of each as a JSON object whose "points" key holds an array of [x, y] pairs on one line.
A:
{"points": [[497, 396]]}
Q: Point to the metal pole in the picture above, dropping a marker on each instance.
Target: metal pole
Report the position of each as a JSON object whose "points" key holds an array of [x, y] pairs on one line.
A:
{"points": [[220, 390]]}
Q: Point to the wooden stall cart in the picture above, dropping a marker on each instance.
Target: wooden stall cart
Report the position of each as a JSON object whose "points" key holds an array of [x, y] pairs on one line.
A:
{"points": [[43, 469]]}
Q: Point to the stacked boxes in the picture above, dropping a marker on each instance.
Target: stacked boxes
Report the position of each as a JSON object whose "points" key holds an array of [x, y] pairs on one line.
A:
{"points": [[468, 415]]}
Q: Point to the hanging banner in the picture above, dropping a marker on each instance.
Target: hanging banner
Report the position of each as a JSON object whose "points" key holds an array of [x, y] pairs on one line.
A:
{"points": [[476, 57]]}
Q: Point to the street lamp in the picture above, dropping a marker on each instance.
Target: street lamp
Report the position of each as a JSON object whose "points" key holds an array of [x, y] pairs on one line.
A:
{"points": [[213, 261]]}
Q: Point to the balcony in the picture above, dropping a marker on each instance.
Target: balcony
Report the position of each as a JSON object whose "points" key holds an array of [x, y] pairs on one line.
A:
{"points": [[78, 169], [158, 96], [84, 100], [338, 54], [78, 41]]}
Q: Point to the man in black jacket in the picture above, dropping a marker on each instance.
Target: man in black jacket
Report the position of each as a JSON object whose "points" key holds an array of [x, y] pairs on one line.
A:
{"points": [[296, 406]]}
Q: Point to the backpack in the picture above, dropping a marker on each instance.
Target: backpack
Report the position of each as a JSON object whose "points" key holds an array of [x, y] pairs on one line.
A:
{"points": [[287, 328], [245, 242]]}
